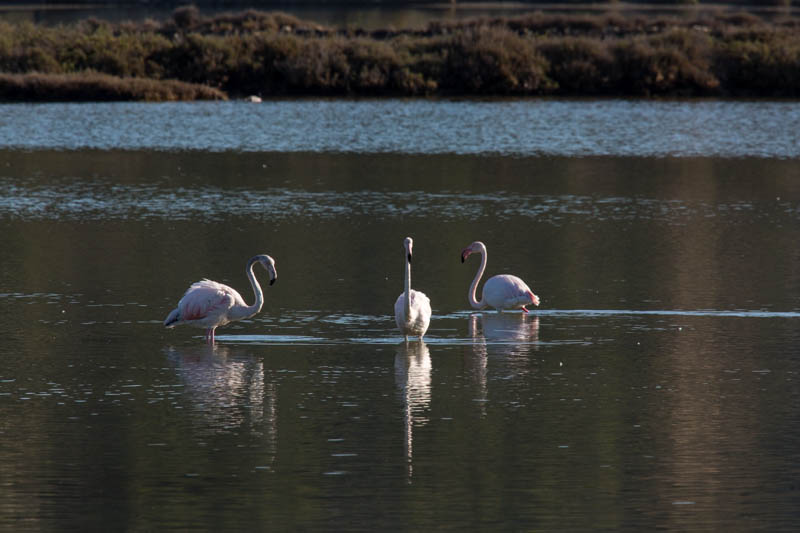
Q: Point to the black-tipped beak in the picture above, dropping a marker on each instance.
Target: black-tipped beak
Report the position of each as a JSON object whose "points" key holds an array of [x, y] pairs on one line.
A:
{"points": [[272, 281], [462, 258], [409, 258]]}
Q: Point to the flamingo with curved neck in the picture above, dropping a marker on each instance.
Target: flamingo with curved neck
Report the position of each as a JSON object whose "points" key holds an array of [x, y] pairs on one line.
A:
{"points": [[412, 310], [208, 304], [503, 291]]}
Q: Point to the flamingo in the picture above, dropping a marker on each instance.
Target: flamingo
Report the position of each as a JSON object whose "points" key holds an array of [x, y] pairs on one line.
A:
{"points": [[412, 310], [503, 291], [208, 304]]}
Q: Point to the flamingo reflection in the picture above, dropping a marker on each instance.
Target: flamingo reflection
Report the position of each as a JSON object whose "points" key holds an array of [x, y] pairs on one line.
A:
{"points": [[228, 390], [412, 374], [504, 328], [507, 337]]}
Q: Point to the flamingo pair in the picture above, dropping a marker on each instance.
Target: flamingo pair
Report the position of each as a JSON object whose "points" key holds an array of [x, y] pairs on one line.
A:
{"points": [[208, 304], [412, 310]]}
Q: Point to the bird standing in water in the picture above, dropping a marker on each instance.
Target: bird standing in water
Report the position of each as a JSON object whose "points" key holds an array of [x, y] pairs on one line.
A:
{"points": [[503, 291], [208, 304], [412, 310]]}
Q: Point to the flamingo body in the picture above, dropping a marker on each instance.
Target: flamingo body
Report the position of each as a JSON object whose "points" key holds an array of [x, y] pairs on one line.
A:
{"points": [[412, 309], [208, 304], [416, 322], [503, 291]]}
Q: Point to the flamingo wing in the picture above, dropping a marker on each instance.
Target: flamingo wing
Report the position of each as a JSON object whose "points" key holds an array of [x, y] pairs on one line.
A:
{"points": [[505, 291], [420, 312], [207, 303]]}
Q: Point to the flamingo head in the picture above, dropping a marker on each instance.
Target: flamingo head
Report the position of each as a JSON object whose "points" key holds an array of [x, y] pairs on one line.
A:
{"points": [[475, 247], [408, 243], [268, 263]]}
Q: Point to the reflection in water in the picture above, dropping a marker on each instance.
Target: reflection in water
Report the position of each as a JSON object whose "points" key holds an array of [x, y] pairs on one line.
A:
{"points": [[412, 374], [513, 333], [228, 391], [508, 335]]}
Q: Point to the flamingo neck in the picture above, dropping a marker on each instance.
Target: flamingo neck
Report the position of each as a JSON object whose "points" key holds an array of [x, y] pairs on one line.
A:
{"points": [[250, 310], [407, 288], [473, 288]]}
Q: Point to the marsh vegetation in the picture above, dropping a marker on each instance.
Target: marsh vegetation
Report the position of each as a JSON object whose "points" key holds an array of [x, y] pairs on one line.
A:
{"points": [[191, 56]]}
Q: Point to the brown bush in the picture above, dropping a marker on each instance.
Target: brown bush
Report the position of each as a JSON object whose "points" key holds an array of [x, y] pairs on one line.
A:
{"points": [[98, 87], [579, 66], [760, 68], [493, 61], [277, 54]]}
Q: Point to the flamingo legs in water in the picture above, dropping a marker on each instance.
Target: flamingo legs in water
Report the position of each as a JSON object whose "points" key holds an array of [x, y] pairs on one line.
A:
{"points": [[209, 336]]}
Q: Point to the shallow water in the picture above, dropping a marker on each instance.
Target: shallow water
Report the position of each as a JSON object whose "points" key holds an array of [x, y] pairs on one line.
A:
{"points": [[656, 387]]}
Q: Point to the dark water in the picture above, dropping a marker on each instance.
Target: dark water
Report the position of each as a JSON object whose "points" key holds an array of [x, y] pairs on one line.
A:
{"points": [[656, 387]]}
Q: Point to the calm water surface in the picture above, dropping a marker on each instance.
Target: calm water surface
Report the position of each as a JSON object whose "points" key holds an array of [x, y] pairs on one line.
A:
{"points": [[656, 387]]}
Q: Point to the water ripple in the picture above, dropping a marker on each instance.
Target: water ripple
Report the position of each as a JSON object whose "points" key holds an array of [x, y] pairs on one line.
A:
{"points": [[530, 127], [85, 200]]}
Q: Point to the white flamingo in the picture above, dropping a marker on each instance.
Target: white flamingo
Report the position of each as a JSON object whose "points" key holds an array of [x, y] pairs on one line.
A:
{"points": [[503, 291], [412, 310], [208, 304]]}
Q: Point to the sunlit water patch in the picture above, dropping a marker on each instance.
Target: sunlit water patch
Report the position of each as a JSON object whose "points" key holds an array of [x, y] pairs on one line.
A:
{"points": [[512, 127]]}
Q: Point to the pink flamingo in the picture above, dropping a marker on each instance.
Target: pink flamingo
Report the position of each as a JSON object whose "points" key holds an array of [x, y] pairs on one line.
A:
{"points": [[208, 304], [502, 291], [412, 310]]}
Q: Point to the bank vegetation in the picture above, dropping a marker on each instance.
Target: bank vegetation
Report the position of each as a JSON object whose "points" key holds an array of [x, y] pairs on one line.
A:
{"points": [[191, 56]]}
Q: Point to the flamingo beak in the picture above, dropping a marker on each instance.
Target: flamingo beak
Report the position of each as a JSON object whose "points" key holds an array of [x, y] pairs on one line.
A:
{"points": [[465, 253], [272, 280], [409, 258]]}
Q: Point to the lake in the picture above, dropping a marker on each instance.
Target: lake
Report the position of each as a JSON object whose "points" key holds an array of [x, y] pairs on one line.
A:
{"points": [[655, 387]]}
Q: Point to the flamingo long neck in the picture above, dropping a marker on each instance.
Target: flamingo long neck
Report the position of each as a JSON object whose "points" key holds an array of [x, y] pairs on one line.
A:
{"points": [[472, 288], [250, 310], [408, 287]]}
